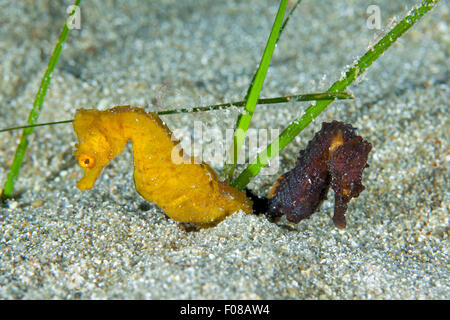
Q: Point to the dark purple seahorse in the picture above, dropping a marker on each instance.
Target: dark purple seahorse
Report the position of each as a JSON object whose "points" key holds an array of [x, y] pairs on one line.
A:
{"points": [[336, 156]]}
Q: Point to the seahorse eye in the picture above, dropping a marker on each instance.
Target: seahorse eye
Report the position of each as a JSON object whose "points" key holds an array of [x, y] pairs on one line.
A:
{"points": [[86, 161]]}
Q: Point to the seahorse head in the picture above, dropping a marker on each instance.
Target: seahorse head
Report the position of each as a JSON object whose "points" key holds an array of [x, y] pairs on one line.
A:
{"points": [[93, 151]]}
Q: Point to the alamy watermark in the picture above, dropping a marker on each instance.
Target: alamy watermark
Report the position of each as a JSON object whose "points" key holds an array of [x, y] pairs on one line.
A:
{"points": [[374, 17], [211, 145], [73, 21]]}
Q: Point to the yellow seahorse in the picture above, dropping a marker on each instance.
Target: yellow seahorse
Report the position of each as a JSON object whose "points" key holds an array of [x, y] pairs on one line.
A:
{"points": [[186, 192]]}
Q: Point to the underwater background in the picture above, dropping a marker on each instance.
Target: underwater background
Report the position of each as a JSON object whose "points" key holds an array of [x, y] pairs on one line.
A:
{"points": [[59, 242]]}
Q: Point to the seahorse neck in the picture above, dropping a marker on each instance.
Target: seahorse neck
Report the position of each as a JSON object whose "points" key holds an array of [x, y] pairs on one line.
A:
{"points": [[151, 139]]}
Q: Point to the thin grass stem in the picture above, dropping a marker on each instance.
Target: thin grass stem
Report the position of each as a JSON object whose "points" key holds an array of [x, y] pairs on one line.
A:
{"points": [[35, 111], [244, 119], [221, 106]]}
